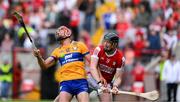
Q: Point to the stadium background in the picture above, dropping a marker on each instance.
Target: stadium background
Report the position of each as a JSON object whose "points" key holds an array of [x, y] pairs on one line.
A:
{"points": [[144, 28]]}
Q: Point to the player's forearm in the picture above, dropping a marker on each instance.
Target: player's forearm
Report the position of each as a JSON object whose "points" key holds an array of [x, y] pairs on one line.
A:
{"points": [[41, 62], [117, 78], [117, 82], [99, 72], [95, 74], [93, 68]]}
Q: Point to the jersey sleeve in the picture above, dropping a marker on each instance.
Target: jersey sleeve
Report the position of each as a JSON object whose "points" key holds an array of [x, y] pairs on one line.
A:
{"points": [[96, 53], [54, 54], [84, 49], [121, 62]]}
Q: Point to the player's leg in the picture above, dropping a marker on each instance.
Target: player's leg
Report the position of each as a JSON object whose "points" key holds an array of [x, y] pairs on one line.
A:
{"points": [[93, 86], [105, 97], [56, 99], [83, 97], [66, 93], [81, 90], [65, 97]]}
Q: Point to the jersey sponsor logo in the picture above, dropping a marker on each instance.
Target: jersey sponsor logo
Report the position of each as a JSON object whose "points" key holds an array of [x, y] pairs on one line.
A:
{"points": [[107, 61], [106, 69], [68, 56], [71, 58]]}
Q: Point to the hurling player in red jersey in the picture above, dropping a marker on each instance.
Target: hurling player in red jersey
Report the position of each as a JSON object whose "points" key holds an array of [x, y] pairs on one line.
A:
{"points": [[106, 65]]}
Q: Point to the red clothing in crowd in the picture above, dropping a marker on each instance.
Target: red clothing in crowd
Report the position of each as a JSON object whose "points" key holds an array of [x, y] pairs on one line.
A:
{"points": [[139, 44], [121, 28]]}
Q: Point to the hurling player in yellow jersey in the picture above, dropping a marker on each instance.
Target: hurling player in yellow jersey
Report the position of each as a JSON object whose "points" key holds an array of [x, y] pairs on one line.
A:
{"points": [[71, 55]]}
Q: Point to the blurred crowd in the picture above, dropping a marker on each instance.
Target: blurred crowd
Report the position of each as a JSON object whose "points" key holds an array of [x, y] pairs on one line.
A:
{"points": [[146, 28]]}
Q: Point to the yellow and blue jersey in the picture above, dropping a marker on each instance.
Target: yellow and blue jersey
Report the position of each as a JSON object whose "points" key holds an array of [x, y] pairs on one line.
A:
{"points": [[70, 58]]}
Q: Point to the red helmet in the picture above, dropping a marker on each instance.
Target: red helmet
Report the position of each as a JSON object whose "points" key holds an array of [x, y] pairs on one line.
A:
{"points": [[63, 32]]}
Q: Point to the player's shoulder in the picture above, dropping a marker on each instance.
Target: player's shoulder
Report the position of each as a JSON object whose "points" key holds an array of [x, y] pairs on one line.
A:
{"points": [[98, 47], [97, 50], [119, 52], [78, 43]]}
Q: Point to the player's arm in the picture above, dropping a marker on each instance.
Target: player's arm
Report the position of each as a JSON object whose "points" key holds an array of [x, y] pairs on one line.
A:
{"points": [[118, 76], [87, 59], [44, 64], [94, 65], [102, 79]]}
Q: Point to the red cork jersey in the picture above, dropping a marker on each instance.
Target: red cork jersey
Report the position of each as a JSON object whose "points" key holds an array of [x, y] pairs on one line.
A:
{"points": [[108, 64]]}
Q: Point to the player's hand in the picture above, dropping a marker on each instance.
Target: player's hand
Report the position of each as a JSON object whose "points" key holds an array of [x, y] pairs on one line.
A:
{"points": [[115, 89], [103, 81], [102, 88], [36, 53]]}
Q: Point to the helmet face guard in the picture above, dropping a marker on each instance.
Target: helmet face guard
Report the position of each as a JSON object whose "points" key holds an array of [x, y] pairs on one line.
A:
{"points": [[111, 41], [62, 33], [112, 37]]}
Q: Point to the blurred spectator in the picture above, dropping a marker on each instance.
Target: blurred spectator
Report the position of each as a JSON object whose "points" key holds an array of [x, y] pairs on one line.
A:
{"points": [[138, 74], [64, 8], [129, 54], [7, 43], [3, 30], [89, 15], [171, 75], [171, 23], [139, 44], [168, 11], [170, 39], [154, 39], [142, 17], [82, 6], [74, 22], [158, 70], [5, 79], [129, 65], [178, 32], [4, 6], [104, 13], [43, 38], [66, 4], [23, 38], [85, 37], [90, 19], [156, 11], [121, 25], [37, 17], [51, 12]]}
